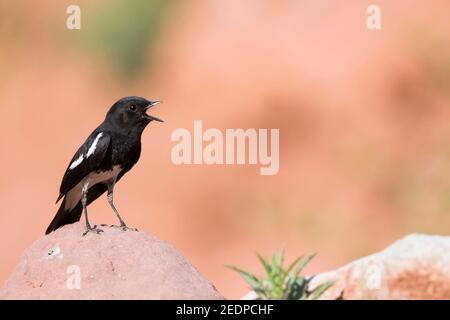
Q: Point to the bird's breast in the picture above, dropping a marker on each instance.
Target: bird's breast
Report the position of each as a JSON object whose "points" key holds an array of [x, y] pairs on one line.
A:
{"points": [[124, 150]]}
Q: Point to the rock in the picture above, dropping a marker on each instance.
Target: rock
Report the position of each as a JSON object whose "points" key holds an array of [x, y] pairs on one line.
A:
{"points": [[415, 267], [113, 265]]}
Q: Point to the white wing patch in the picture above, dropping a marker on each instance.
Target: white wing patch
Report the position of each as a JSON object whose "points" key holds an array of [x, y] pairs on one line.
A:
{"points": [[75, 164], [94, 145], [90, 152]]}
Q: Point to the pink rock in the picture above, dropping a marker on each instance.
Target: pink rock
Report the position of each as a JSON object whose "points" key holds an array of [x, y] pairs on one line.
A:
{"points": [[415, 267], [113, 265]]}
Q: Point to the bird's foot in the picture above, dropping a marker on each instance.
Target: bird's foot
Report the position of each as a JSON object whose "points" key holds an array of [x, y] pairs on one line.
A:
{"points": [[124, 227], [95, 230]]}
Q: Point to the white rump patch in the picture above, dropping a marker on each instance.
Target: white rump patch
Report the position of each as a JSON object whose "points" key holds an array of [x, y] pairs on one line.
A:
{"points": [[94, 145], [75, 164]]}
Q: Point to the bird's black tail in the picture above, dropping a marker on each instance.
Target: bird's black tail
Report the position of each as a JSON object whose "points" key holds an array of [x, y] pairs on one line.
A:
{"points": [[64, 217]]}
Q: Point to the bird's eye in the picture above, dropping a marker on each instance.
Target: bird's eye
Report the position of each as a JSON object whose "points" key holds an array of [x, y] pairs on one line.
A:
{"points": [[132, 107]]}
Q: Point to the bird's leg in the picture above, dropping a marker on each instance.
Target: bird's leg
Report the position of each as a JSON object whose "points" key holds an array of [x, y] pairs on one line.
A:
{"points": [[84, 192], [111, 203]]}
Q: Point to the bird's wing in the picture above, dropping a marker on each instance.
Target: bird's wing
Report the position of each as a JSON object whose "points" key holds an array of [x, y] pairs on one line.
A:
{"points": [[86, 159]]}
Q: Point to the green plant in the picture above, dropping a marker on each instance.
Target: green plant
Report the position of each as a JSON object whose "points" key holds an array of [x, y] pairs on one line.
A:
{"points": [[283, 284]]}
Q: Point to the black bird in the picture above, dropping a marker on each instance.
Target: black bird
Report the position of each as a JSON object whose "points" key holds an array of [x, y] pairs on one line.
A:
{"points": [[107, 154]]}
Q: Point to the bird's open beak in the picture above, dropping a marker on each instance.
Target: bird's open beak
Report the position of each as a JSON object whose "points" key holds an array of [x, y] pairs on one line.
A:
{"points": [[150, 117]]}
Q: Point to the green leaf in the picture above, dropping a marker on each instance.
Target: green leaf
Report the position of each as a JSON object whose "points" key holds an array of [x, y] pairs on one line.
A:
{"points": [[293, 264], [319, 290], [277, 261], [262, 295], [288, 289], [303, 262], [265, 263], [281, 260], [248, 277]]}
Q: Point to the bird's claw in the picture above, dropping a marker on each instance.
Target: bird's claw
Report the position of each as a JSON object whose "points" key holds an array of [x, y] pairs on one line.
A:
{"points": [[124, 227], [94, 230]]}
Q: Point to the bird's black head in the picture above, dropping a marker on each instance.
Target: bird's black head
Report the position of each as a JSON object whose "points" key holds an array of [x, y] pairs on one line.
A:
{"points": [[129, 113]]}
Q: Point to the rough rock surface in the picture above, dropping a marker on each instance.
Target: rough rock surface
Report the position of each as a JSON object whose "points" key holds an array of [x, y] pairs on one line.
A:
{"points": [[415, 267], [113, 265]]}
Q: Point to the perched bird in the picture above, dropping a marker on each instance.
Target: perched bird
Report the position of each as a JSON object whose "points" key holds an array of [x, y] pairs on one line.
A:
{"points": [[107, 154]]}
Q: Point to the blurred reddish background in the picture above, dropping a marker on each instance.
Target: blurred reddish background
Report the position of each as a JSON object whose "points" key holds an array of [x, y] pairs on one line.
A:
{"points": [[363, 118]]}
